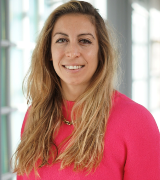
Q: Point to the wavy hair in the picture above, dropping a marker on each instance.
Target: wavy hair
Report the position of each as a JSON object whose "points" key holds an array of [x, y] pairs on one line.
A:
{"points": [[84, 147]]}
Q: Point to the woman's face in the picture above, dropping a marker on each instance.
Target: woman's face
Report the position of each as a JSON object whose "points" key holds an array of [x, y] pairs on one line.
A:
{"points": [[74, 49]]}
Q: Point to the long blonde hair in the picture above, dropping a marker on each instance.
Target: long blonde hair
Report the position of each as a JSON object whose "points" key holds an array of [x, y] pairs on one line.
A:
{"points": [[85, 146]]}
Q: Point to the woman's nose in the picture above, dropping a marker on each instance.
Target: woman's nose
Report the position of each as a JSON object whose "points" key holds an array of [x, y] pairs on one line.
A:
{"points": [[72, 50]]}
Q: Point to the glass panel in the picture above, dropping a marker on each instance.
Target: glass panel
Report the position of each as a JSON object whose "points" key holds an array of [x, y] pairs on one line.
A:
{"points": [[40, 14], [155, 93], [2, 11], [139, 28], [15, 178], [140, 92], [49, 6], [156, 115], [33, 18], [102, 7], [27, 55], [3, 77], [155, 59], [16, 76], [16, 124], [139, 61], [154, 25], [25, 21], [4, 155], [140, 54], [16, 20]]}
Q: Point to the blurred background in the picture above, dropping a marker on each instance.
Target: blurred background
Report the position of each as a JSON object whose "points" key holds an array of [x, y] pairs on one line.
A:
{"points": [[137, 25]]}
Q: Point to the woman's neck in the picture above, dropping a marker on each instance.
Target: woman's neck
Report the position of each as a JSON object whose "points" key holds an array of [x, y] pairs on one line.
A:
{"points": [[72, 92]]}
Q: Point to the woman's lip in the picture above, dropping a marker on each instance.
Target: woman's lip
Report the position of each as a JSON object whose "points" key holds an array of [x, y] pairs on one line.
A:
{"points": [[73, 70], [73, 65]]}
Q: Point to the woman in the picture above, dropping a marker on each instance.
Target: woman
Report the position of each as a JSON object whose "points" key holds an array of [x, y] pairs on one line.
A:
{"points": [[78, 126]]}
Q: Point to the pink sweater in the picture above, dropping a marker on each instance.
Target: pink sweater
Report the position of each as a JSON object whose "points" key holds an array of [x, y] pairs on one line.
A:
{"points": [[132, 146]]}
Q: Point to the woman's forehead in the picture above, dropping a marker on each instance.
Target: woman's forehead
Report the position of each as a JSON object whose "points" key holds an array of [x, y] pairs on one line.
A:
{"points": [[74, 23]]}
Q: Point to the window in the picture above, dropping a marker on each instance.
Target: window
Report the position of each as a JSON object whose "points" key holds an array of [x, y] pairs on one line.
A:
{"points": [[146, 59], [155, 64], [140, 55]]}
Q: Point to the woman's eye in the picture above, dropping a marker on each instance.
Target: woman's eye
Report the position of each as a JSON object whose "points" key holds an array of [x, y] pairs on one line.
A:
{"points": [[61, 40], [85, 41]]}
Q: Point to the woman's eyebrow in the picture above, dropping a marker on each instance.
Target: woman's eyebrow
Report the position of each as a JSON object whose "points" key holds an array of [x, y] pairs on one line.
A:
{"points": [[83, 34], [60, 33]]}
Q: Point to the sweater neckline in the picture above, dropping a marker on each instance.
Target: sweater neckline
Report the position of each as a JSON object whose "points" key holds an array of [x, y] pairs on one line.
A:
{"points": [[71, 103]]}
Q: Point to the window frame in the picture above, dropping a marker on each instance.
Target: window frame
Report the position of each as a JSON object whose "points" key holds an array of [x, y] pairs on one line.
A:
{"points": [[5, 110]]}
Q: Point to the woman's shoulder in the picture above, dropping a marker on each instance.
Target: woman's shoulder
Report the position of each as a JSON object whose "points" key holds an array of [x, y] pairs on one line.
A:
{"points": [[131, 114], [126, 106], [134, 136]]}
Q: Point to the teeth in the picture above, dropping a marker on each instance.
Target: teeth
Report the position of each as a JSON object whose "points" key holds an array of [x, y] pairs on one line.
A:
{"points": [[73, 67]]}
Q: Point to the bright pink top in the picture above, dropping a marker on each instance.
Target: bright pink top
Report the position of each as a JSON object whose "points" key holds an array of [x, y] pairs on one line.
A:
{"points": [[132, 146]]}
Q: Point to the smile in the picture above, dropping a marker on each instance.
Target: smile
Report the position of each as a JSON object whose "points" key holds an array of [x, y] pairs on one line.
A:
{"points": [[73, 67]]}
